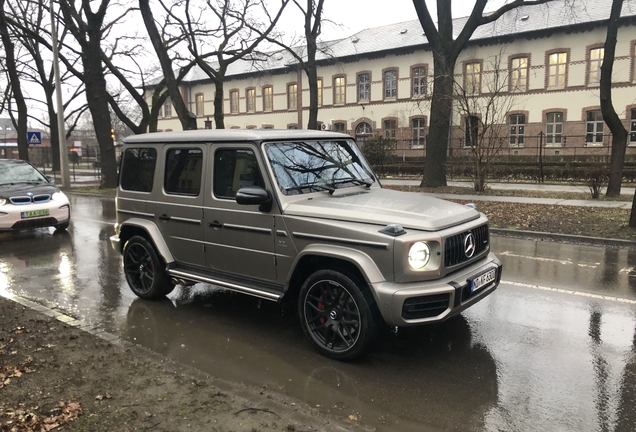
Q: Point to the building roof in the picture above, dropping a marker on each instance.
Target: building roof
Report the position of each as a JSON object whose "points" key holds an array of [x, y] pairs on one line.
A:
{"points": [[524, 20]]}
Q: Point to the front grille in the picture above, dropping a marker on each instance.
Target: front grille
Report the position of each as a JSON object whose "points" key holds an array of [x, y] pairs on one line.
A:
{"points": [[425, 306], [454, 252], [37, 199], [20, 200], [34, 223]]}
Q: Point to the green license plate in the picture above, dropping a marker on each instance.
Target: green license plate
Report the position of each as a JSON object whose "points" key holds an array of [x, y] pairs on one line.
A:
{"points": [[34, 213]]}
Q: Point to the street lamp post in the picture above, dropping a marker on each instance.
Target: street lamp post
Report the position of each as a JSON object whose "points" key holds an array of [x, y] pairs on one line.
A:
{"points": [[61, 131]]}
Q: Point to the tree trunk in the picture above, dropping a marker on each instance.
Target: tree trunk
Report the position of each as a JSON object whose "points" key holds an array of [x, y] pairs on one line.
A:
{"points": [[188, 121], [14, 78], [218, 104], [97, 98], [441, 114], [619, 133]]}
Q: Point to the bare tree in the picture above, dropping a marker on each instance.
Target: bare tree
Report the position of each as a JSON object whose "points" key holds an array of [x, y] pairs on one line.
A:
{"points": [[36, 70], [619, 133], [89, 28], [235, 33], [446, 49], [483, 108], [14, 80], [162, 45]]}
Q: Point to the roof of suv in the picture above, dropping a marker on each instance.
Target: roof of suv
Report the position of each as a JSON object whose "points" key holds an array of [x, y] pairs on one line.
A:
{"points": [[229, 135]]}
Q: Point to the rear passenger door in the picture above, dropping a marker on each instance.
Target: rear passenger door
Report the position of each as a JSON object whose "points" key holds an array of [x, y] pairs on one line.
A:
{"points": [[239, 238], [179, 209]]}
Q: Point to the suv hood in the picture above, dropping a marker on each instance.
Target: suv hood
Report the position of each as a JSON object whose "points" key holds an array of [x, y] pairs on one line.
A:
{"points": [[21, 189], [382, 207]]}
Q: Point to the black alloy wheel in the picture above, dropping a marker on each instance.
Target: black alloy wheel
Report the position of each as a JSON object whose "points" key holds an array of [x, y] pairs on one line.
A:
{"points": [[144, 271], [340, 318]]}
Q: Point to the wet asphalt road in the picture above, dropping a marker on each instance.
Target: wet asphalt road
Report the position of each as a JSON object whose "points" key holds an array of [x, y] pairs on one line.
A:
{"points": [[553, 349]]}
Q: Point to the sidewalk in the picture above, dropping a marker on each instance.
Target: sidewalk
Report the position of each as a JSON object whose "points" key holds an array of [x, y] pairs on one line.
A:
{"points": [[523, 200]]}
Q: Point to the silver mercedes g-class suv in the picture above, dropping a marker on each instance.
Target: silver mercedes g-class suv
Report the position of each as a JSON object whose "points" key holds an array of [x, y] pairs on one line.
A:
{"points": [[296, 214]]}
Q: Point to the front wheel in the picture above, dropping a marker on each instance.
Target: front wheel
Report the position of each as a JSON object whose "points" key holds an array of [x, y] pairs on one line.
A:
{"points": [[144, 271], [338, 314]]}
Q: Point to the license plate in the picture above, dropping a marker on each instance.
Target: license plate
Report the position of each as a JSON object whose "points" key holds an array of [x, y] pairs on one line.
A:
{"points": [[34, 213], [483, 280]]}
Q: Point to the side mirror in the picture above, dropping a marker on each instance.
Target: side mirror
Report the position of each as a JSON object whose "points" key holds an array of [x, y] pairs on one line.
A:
{"points": [[254, 195]]}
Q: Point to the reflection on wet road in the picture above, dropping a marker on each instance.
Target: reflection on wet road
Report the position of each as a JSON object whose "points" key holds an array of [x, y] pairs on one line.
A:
{"points": [[553, 349]]}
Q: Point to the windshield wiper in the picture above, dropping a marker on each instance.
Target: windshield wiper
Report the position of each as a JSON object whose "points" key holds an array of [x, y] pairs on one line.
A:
{"points": [[356, 181], [302, 186]]}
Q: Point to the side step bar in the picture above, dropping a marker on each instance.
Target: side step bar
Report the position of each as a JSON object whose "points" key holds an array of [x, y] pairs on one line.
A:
{"points": [[253, 291]]}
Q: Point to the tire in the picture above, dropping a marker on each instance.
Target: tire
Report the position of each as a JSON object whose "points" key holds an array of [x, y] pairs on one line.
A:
{"points": [[338, 314], [144, 270]]}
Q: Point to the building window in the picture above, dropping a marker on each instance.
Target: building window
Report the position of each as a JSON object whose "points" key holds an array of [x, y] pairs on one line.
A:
{"points": [[292, 94], [363, 132], [319, 92], [594, 65], [417, 133], [250, 100], [471, 130], [594, 127], [339, 127], [364, 87], [268, 98], [473, 78], [418, 77], [292, 126], [519, 74], [339, 90], [167, 108], [390, 128], [517, 129], [390, 84], [199, 104], [234, 102], [553, 128], [557, 64]]}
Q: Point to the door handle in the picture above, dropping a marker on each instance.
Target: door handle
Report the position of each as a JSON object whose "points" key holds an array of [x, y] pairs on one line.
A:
{"points": [[215, 224], [164, 217]]}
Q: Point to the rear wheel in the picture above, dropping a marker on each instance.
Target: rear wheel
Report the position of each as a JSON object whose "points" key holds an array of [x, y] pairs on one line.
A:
{"points": [[144, 270], [338, 314]]}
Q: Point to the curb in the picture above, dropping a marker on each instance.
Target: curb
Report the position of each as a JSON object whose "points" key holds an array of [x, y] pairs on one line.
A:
{"points": [[567, 238]]}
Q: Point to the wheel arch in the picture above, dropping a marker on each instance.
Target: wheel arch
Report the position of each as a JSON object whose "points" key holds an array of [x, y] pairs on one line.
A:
{"points": [[150, 232], [316, 257]]}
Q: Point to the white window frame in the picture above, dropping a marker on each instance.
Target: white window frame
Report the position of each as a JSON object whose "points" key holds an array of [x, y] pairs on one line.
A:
{"points": [[594, 66], [390, 84], [519, 74], [554, 129], [594, 128], [557, 70], [517, 130], [364, 87]]}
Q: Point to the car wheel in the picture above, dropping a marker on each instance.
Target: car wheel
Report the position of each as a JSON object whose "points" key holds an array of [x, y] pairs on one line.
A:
{"points": [[144, 270], [338, 314]]}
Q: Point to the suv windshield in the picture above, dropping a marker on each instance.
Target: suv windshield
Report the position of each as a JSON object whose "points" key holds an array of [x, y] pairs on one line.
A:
{"points": [[311, 166], [11, 173]]}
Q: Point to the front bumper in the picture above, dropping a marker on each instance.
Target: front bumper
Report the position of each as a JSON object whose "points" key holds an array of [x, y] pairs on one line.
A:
{"points": [[436, 300], [11, 215]]}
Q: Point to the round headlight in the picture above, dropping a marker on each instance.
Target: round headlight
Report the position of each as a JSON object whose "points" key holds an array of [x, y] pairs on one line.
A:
{"points": [[3, 201], [419, 255]]}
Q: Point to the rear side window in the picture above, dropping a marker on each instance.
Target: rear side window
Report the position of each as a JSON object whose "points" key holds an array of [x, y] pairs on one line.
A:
{"points": [[138, 169], [183, 171], [234, 169]]}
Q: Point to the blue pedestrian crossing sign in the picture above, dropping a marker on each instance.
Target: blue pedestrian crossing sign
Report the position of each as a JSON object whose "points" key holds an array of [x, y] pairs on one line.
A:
{"points": [[34, 138]]}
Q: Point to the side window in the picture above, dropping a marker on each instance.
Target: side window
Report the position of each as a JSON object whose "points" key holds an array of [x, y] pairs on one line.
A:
{"points": [[183, 171], [138, 169], [234, 169]]}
